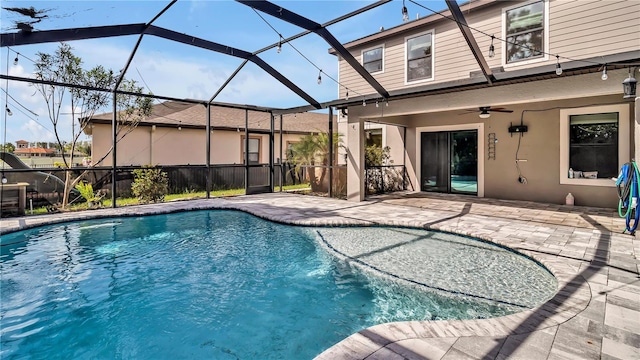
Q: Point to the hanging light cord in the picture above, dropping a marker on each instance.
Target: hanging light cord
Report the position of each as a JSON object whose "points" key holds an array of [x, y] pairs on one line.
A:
{"points": [[503, 40], [305, 57]]}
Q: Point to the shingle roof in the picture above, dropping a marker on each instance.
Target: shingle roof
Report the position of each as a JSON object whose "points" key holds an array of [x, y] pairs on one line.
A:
{"points": [[173, 113]]}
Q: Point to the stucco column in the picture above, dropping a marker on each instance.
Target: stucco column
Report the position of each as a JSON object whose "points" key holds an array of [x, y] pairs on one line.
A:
{"points": [[636, 132], [355, 159]]}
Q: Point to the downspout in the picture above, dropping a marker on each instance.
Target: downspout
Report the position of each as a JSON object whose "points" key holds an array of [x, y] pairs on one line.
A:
{"points": [[404, 158]]}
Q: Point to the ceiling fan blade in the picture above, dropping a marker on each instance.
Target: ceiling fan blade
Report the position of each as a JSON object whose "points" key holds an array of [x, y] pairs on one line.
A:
{"points": [[501, 110]]}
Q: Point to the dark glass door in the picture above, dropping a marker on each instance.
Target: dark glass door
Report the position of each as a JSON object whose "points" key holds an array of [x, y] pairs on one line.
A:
{"points": [[449, 161]]}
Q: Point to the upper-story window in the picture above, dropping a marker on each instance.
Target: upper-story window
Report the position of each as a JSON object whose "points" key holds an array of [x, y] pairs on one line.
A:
{"points": [[419, 57], [372, 59], [526, 31]]}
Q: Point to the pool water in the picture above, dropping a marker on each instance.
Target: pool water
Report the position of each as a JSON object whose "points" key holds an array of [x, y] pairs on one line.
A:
{"points": [[206, 284]]}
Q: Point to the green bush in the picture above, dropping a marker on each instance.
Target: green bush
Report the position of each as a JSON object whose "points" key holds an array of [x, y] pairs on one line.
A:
{"points": [[150, 185], [86, 190]]}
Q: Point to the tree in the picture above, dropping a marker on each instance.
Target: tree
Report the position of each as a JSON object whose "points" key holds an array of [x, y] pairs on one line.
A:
{"points": [[8, 147], [64, 67], [313, 150]]}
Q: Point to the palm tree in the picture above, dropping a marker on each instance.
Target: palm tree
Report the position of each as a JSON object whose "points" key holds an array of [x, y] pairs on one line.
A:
{"points": [[312, 150]]}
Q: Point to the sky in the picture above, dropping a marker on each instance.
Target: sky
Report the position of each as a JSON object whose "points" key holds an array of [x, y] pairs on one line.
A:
{"points": [[176, 70]]}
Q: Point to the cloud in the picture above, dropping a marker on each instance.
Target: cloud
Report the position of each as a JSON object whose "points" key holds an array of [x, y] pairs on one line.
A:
{"points": [[32, 131], [197, 6]]}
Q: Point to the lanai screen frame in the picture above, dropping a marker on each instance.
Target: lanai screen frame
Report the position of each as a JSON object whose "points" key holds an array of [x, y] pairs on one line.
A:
{"points": [[29, 38]]}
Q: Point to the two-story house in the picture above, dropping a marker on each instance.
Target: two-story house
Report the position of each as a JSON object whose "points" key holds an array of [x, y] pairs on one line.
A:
{"points": [[549, 118]]}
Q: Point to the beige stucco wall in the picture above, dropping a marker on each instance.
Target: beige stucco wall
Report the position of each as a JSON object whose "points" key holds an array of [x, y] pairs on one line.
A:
{"points": [[169, 146], [540, 146]]}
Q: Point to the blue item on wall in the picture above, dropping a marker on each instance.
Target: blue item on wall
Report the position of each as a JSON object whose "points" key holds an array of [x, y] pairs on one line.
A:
{"points": [[628, 185]]}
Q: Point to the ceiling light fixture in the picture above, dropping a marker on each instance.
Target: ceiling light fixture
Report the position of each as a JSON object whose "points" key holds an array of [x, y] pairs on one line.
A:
{"points": [[492, 49], [484, 114], [558, 67]]}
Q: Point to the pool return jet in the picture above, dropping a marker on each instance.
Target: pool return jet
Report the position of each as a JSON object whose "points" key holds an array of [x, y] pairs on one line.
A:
{"points": [[628, 185]]}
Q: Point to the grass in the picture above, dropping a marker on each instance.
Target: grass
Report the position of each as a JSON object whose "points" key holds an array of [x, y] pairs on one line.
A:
{"points": [[106, 203]]}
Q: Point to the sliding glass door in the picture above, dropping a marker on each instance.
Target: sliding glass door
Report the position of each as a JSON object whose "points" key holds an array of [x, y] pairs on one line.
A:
{"points": [[449, 161]]}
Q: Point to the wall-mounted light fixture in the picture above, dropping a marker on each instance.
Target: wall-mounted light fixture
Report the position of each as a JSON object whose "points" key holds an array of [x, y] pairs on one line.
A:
{"points": [[629, 86]]}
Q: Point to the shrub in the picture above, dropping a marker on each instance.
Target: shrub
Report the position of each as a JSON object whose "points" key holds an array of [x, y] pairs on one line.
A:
{"points": [[86, 190], [150, 185]]}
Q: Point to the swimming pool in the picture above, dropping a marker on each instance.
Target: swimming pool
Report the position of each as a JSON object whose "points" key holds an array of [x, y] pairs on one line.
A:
{"points": [[213, 284]]}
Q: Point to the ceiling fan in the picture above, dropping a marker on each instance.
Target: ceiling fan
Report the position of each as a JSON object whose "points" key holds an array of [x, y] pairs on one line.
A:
{"points": [[485, 111]]}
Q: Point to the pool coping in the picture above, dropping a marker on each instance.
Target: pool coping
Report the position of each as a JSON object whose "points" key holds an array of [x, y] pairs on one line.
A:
{"points": [[388, 340]]}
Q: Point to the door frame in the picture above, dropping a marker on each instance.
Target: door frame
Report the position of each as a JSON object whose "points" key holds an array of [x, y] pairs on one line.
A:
{"points": [[481, 148]]}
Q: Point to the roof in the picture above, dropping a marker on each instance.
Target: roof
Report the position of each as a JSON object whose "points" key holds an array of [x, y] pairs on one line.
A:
{"points": [[34, 150], [174, 113]]}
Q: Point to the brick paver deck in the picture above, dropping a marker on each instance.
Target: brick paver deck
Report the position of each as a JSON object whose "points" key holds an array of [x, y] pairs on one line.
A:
{"points": [[594, 315]]}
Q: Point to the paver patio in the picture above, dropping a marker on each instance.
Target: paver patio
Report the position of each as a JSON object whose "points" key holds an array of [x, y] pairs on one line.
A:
{"points": [[594, 315]]}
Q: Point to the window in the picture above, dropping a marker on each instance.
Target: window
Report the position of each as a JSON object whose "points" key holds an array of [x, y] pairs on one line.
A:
{"points": [[372, 60], [525, 29], [419, 57], [594, 144], [254, 150]]}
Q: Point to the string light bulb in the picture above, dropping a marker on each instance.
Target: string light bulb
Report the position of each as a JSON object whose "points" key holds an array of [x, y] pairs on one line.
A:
{"points": [[320, 77], [377, 104], [492, 49], [6, 108], [405, 13], [604, 73], [279, 48], [15, 61], [558, 66], [346, 96], [364, 103]]}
